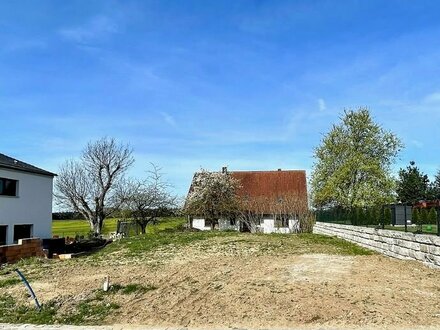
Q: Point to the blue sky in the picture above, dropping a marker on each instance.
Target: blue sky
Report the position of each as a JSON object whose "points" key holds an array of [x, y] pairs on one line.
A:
{"points": [[248, 84]]}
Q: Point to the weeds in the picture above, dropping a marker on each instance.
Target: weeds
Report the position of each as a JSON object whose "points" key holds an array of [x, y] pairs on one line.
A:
{"points": [[9, 282]]}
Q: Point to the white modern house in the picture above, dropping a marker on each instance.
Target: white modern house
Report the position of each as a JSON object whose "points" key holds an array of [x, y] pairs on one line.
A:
{"points": [[25, 201], [268, 193]]}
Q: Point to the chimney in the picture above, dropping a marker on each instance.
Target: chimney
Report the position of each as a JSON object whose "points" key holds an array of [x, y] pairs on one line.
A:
{"points": [[224, 169]]}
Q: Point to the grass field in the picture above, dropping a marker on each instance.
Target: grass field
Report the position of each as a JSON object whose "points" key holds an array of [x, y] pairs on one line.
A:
{"points": [[71, 228]]}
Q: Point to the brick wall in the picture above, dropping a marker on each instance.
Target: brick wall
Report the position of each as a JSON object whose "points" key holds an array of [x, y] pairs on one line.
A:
{"points": [[423, 248], [27, 247]]}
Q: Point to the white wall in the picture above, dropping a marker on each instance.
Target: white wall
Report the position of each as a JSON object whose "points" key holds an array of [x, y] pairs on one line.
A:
{"points": [[269, 227], [33, 204], [199, 224]]}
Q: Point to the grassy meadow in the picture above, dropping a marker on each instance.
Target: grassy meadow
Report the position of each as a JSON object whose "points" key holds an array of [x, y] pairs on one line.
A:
{"points": [[71, 228]]}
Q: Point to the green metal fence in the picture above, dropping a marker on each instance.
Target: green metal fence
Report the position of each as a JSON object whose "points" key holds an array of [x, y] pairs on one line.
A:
{"points": [[416, 220]]}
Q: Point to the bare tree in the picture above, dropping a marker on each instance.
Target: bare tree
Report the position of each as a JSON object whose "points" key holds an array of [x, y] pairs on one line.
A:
{"points": [[251, 212], [213, 195], [88, 185], [146, 200], [281, 209]]}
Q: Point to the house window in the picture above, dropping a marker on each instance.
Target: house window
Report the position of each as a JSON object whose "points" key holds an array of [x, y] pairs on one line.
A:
{"points": [[232, 221], [22, 231], [8, 187], [3, 234], [282, 220]]}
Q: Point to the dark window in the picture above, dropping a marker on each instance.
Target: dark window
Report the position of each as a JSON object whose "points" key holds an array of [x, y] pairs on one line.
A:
{"points": [[8, 187], [3, 234], [232, 221], [22, 231], [282, 220]]}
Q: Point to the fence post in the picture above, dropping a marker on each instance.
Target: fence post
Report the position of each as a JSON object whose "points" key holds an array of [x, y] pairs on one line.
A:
{"points": [[406, 223], [438, 224]]}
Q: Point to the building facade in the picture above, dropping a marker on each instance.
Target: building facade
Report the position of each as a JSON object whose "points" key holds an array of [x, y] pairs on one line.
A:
{"points": [[273, 202], [25, 201]]}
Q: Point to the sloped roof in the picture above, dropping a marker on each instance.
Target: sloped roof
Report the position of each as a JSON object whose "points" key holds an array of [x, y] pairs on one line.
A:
{"points": [[272, 184], [12, 163]]}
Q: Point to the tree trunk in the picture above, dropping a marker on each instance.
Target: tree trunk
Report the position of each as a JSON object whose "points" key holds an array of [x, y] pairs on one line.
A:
{"points": [[212, 224], [96, 225], [143, 228]]}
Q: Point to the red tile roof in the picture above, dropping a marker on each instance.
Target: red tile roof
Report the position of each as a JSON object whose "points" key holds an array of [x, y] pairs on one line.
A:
{"points": [[272, 184], [269, 185]]}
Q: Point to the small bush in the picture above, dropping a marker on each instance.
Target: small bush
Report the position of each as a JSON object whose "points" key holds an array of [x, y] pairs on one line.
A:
{"points": [[387, 217], [424, 217], [432, 216], [415, 216]]}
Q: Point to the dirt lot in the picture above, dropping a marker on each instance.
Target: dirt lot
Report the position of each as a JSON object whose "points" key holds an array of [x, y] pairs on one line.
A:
{"points": [[234, 281]]}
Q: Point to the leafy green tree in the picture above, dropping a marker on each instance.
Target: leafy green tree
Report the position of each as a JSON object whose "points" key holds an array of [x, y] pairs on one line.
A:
{"points": [[352, 163], [424, 217], [415, 216], [432, 216], [412, 185], [434, 188]]}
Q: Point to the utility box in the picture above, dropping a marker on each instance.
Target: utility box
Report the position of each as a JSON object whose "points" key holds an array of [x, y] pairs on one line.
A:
{"points": [[400, 213]]}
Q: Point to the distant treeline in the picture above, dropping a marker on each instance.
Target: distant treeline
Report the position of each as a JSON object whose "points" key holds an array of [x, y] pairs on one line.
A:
{"points": [[67, 216]]}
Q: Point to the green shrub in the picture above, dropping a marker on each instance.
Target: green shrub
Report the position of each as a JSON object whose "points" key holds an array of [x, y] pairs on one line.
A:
{"points": [[432, 216], [424, 217], [415, 216], [375, 216], [387, 215]]}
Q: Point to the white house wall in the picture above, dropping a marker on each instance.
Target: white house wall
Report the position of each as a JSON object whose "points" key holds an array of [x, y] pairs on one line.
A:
{"points": [[225, 224], [199, 224], [267, 226], [32, 205]]}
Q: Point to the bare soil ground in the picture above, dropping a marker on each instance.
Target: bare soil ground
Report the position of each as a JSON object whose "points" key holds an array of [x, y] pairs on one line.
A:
{"points": [[230, 281]]}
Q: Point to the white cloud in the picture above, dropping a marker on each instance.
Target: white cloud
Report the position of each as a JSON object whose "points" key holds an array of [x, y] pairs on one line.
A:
{"points": [[417, 143], [169, 119], [322, 105], [432, 98], [97, 28]]}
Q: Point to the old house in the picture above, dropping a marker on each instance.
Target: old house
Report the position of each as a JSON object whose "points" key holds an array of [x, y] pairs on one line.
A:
{"points": [[25, 201], [270, 202]]}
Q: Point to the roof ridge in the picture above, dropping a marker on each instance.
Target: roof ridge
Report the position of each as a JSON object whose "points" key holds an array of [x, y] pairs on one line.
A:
{"points": [[15, 164]]}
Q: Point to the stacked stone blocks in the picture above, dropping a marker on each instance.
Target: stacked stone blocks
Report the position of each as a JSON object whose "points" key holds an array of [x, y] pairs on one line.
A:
{"points": [[397, 244]]}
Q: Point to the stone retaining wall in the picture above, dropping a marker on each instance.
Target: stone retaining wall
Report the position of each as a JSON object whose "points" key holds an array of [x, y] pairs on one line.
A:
{"points": [[423, 248], [26, 247]]}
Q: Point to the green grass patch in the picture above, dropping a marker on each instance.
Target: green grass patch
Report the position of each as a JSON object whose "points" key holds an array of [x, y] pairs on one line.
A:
{"points": [[92, 311], [8, 282], [11, 312], [71, 228], [426, 229]]}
